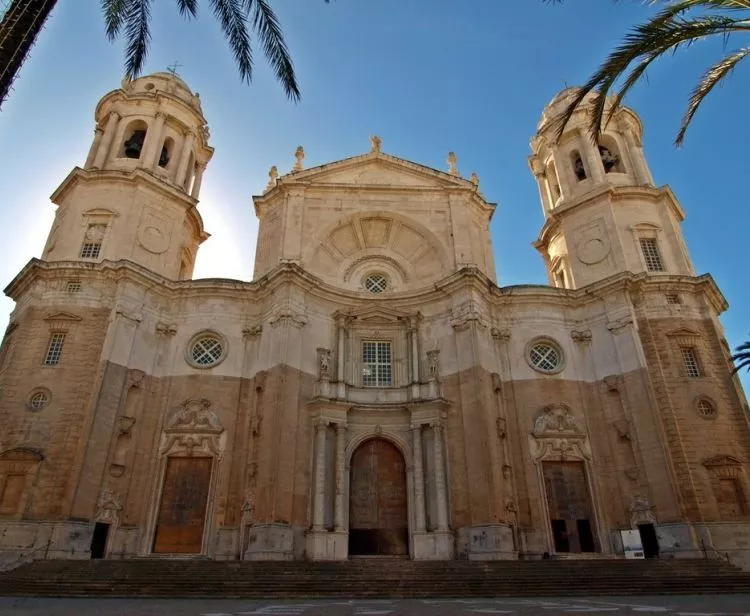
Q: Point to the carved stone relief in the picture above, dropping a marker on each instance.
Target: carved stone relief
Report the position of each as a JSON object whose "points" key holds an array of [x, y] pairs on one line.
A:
{"points": [[193, 429], [557, 435]]}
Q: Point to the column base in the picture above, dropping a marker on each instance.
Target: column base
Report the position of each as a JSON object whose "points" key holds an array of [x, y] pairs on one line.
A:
{"points": [[270, 542], [327, 545], [438, 545], [487, 542]]}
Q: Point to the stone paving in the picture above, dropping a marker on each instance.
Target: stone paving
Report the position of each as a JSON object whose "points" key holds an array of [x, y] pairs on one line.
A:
{"points": [[718, 605]]}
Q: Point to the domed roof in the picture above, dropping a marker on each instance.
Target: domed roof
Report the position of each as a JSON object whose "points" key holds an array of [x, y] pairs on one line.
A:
{"points": [[164, 81]]}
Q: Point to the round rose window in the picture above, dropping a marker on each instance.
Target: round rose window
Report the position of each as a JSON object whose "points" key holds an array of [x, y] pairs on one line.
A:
{"points": [[206, 351], [545, 356]]}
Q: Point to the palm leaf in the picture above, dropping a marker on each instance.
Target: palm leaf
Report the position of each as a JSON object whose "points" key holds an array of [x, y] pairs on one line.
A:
{"points": [[233, 22], [741, 356], [137, 35]]}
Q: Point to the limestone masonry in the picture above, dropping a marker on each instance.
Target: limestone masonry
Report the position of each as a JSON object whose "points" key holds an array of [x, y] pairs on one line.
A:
{"points": [[371, 391]]}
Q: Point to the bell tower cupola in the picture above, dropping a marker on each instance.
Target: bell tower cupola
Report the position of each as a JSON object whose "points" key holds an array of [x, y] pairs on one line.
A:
{"points": [[135, 197], [603, 214]]}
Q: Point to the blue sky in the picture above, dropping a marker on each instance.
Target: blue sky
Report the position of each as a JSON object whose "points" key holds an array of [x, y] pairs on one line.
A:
{"points": [[428, 76]]}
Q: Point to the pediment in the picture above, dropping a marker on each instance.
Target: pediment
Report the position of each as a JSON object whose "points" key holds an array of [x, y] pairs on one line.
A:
{"points": [[377, 169], [684, 332], [721, 461], [375, 314], [62, 316], [100, 211]]}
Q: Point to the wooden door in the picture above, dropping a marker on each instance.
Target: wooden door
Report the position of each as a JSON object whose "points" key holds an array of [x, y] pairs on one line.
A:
{"points": [[378, 521], [570, 510], [182, 511]]}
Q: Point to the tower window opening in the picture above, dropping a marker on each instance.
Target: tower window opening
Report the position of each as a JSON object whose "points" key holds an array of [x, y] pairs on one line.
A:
{"points": [[54, 349], [553, 183], [651, 254], [610, 155], [134, 144], [92, 241], [690, 362], [578, 167], [166, 152]]}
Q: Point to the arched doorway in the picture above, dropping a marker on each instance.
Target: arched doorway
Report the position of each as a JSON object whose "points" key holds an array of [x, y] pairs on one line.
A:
{"points": [[378, 519]]}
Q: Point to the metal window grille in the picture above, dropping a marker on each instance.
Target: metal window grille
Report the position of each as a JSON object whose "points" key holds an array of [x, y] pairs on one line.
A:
{"points": [[90, 250], [545, 356], [651, 254], [38, 401], [376, 364], [376, 283], [673, 299], [705, 408], [690, 360], [73, 286], [54, 349], [207, 351]]}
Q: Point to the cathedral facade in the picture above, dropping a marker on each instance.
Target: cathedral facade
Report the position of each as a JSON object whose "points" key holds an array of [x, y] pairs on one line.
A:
{"points": [[371, 391]]}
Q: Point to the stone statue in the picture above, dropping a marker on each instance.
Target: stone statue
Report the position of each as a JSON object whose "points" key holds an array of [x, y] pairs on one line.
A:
{"points": [[452, 161], [299, 155], [273, 177], [433, 364], [324, 361], [474, 178], [375, 142]]}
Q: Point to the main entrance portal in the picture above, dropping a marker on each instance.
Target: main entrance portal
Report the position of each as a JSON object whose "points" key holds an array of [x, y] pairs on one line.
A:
{"points": [[570, 510], [182, 511], [378, 521]]}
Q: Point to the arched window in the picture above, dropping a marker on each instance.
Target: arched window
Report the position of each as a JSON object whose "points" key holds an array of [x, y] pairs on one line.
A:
{"points": [[610, 155], [578, 168], [135, 136], [166, 152], [552, 182]]}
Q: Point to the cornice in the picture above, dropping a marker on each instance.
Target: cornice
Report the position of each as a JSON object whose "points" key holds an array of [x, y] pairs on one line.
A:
{"points": [[470, 278]]}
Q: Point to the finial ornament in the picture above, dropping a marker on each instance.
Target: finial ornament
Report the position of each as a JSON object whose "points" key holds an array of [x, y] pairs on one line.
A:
{"points": [[452, 160], [474, 178], [299, 154], [172, 68], [376, 142], [273, 177]]}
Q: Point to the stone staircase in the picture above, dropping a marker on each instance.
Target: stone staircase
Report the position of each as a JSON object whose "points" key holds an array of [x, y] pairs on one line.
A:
{"points": [[151, 577]]}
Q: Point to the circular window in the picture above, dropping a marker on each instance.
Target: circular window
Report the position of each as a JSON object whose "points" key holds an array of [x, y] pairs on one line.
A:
{"points": [[705, 408], [545, 356], [38, 400], [206, 350], [376, 283]]}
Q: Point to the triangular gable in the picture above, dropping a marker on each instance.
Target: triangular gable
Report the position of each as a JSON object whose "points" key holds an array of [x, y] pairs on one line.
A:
{"points": [[62, 316], [721, 461], [683, 332], [100, 211], [375, 314], [377, 169]]}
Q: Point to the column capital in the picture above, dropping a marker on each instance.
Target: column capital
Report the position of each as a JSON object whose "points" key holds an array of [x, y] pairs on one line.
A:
{"points": [[320, 423], [341, 427]]}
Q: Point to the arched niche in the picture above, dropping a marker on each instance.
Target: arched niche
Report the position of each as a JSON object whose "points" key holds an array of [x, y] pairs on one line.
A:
{"points": [[610, 154], [134, 138], [406, 250], [579, 169], [167, 151]]}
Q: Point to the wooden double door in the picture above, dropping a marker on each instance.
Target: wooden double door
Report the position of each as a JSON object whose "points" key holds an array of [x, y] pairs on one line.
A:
{"points": [[182, 507], [378, 515], [570, 509]]}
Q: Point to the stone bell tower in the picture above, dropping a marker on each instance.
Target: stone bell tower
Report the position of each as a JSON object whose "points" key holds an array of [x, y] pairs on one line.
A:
{"points": [[135, 197], [603, 214]]}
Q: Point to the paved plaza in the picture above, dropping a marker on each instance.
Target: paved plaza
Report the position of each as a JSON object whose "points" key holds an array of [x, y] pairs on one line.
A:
{"points": [[722, 605]]}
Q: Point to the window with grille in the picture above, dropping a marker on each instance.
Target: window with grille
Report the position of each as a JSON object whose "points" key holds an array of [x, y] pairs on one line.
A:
{"points": [[545, 356], [38, 400], [376, 283], [206, 351], [651, 255], [54, 349], [73, 286], [673, 299], [690, 361], [92, 241], [705, 408], [376, 364]]}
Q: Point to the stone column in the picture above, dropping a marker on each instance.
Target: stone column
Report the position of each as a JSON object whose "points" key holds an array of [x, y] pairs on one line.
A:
{"points": [[98, 132], [594, 167], [419, 505], [640, 170], [320, 475], [414, 350], [187, 148], [106, 143], [338, 514], [440, 488], [199, 169], [157, 138]]}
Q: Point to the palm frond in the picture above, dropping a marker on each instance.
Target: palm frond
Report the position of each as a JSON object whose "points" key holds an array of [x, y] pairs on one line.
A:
{"points": [[137, 35], [233, 22], [188, 8], [663, 33], [741, 356], [268, 29], [711, 78], [115, 12]]}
